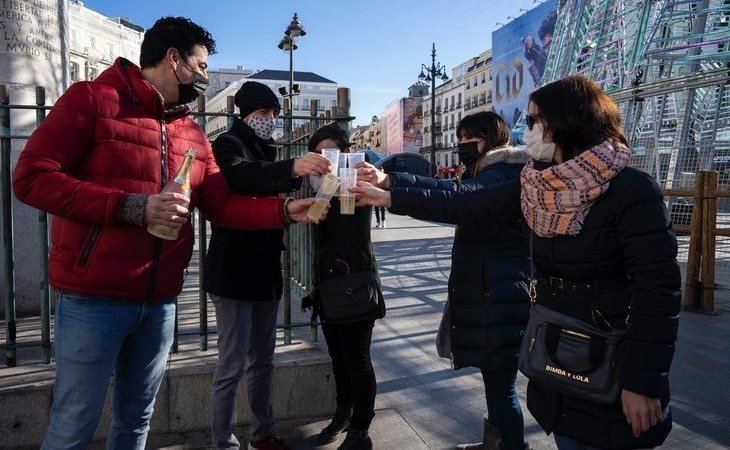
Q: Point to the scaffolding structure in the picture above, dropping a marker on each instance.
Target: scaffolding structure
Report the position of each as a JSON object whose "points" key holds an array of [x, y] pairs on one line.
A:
{"points": [[667, 64]]}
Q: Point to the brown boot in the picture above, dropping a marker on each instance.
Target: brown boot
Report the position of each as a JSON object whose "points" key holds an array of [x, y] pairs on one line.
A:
{"points": [[490, 439]]}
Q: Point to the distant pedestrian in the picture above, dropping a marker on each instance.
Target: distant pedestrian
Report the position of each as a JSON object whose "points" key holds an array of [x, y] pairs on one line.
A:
{"points": [[379, 217]]}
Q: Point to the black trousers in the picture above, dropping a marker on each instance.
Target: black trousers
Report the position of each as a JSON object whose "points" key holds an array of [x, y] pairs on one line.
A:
{"points": [[349, 347], [380, 214]]}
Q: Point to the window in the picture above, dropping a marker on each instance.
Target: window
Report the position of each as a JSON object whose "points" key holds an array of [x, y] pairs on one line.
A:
{"points": [[320, 104], [333, 103], [484, 77], [459, 99], [468, 84], [74, 71], [475, 80], [305, 104], [93, 73], [474, 101]]}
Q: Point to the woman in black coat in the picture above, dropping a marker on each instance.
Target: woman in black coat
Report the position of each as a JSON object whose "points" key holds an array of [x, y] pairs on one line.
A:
{"points": [[344, 248], [604, 253], [488, 303]]}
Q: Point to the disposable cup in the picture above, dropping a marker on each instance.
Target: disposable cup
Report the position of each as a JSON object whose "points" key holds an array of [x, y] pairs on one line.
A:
{"points": [[333, 154], [348, 179], [355, 158], [330, 183]]}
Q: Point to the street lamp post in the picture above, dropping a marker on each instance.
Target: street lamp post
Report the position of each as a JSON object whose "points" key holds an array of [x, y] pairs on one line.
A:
{"points": [[288, 43], [430, 74]]}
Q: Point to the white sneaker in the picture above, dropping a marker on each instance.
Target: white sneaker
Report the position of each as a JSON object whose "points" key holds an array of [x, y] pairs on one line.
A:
{"points": [[382, 224], [377, 225]]}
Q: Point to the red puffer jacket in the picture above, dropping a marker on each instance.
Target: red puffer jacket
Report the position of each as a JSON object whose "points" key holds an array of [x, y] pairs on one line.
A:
{"points": [[102, 141]]}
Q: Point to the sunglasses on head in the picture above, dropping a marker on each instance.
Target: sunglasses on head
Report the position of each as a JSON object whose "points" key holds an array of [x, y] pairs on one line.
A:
{"points": [[531, 120]]}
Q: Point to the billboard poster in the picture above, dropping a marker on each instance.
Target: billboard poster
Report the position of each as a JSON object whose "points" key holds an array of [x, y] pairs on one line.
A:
{"points": [[393, 124], [519, 51], [412, 125]]}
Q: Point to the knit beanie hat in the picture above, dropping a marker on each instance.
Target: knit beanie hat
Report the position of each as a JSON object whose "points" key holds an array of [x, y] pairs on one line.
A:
{"points": [[330, 131], [253, 95]]}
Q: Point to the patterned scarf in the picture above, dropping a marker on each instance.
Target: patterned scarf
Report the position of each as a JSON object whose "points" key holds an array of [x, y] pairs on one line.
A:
{"points": [[555, 201]]}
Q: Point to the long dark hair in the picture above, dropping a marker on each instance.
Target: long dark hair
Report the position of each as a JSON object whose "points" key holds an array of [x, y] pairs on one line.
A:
{"points": [[578, 114], [486, 125]]}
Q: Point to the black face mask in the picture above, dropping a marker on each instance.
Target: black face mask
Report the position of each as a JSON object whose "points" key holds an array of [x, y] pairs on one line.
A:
{"points": [[189, 92], [469, 152]]}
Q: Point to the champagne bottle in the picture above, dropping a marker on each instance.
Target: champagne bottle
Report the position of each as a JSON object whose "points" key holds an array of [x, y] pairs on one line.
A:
{"points": [[180, 184]]}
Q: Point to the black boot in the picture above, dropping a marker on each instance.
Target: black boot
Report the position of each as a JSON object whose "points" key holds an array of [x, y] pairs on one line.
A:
{"points": [[339, 422], [356, 440]]}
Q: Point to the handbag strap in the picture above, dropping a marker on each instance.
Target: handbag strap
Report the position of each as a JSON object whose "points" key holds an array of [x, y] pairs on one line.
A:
{"points": [[532, 290]]}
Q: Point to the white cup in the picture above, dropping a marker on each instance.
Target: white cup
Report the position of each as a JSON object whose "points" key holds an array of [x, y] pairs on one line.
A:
{"points": [[333, 154]]}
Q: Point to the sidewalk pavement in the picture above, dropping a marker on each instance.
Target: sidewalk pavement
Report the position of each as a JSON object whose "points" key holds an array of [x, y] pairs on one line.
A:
{"points": [[423, 404]]}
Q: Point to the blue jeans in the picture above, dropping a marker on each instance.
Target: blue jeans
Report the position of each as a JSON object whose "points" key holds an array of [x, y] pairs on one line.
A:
{"points": [[567, 443], [503, 407], [94, 338]]}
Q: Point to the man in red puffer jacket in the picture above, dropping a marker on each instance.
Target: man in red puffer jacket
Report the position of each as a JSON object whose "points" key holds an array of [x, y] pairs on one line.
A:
{"points": [[98, 164]]}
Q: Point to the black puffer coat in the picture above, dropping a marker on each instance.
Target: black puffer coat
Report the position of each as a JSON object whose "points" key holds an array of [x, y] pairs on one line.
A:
{"points": [[246, 265], [627, 252], [343, 241], [489, 266]]}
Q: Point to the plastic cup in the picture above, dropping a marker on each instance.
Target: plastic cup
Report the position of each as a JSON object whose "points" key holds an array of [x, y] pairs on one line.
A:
{"points": [[348, 179], [333, 154], [355, 158], [330, 183]]}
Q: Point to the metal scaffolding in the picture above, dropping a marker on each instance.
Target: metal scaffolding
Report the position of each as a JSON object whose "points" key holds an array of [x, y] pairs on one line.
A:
{"points": [[667, 64]]}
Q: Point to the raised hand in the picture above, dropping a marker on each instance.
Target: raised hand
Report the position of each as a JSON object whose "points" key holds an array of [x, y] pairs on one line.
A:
{"points": [[311, 164], [373, 175], [297, 210], [367, 194]]}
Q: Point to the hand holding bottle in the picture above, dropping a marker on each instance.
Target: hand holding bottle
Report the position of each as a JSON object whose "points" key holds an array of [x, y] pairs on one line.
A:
{"points": [[169, 209]]}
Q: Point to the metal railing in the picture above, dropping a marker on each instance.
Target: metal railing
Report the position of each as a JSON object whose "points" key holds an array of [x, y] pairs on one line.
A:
{"points": [[298, 274]]}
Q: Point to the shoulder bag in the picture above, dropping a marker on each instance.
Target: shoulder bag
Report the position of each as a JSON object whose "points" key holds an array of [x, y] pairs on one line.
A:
{"points": [[570, 356]]}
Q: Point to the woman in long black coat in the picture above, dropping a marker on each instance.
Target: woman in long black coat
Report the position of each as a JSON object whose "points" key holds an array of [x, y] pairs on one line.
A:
{"points": [[604, 252], [488, 303]]}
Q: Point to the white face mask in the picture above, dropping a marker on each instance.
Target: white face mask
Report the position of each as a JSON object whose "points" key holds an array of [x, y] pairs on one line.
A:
{"points": [[315, 181], [538, 149], [263, 126]]}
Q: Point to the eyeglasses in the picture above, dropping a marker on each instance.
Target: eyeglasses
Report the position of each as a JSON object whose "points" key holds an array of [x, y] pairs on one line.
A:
{"points": [[531, 120]]}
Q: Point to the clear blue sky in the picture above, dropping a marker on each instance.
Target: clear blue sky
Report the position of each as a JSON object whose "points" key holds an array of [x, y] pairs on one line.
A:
{"points": [[374, 47]]}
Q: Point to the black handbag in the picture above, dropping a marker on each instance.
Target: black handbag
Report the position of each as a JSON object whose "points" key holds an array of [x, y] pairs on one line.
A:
{"points": [[571, 356], [349, 296]]}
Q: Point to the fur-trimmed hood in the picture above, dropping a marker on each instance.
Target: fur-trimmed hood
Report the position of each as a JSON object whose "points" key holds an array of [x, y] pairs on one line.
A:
{"points": [[508, 155]]}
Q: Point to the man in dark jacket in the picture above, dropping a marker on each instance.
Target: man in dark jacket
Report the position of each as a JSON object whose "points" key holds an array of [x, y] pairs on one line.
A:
{"points": [[243, 268], [98, 163]]}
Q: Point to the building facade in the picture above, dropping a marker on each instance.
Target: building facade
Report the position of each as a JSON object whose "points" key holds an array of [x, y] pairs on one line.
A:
{"points": [[312, 87], [96, 40], [402, 122], [478, 84], [220, 79]]}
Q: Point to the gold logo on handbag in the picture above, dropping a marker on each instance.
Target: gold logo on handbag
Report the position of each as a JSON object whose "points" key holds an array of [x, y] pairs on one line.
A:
{"points": [[565, 373]]}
